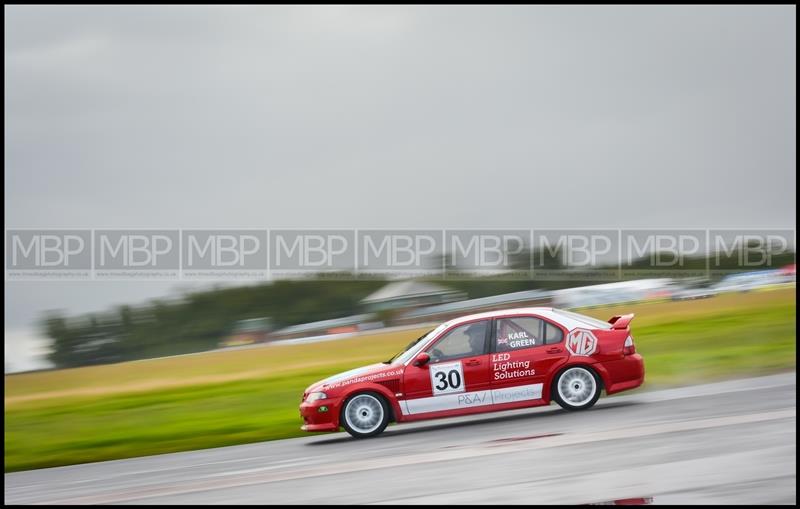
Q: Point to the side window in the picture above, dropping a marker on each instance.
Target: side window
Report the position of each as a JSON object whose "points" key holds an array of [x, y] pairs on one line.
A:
{"points": [[552, 334], [463, 341], [517, 333]]}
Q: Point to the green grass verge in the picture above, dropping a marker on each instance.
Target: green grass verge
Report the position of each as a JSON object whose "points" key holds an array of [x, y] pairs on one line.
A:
{"points": [[682, 343]]}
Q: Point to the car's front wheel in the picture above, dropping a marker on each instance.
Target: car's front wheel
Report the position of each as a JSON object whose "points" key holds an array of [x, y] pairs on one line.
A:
{"points": [[365, 415], [576, 388]]}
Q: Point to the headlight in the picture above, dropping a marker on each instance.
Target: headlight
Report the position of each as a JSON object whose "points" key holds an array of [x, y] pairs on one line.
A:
{"points": [[315, 396]]}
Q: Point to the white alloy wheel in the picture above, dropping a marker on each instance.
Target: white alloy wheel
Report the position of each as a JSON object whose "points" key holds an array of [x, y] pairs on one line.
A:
{"points": [[364, 415], [577, 388]]}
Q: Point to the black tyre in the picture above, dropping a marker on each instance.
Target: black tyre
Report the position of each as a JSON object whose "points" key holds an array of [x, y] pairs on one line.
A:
{"points": [[577, 388], [365, 415]]}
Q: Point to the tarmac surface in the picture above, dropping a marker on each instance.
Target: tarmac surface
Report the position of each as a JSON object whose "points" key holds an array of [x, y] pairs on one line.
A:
{"points": [[731, 442]]}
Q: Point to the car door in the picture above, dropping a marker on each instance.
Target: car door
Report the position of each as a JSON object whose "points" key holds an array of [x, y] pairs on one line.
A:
{"points": [[526, 350], [456, 379]]}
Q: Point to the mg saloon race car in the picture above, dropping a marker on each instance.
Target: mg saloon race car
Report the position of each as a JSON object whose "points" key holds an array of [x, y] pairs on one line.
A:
{"points": [[500, 360]]}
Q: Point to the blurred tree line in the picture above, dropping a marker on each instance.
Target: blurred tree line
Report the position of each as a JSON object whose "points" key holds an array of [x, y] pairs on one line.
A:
{"points": [[196, 321], [199, 320]]}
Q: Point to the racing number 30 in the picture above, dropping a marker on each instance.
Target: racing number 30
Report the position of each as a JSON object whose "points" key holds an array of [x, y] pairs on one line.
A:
{"points": [[447, 378], [451, 379]]}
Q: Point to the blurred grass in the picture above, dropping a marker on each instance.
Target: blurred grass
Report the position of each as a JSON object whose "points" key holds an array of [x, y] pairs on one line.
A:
{"points": [[225, 398]]}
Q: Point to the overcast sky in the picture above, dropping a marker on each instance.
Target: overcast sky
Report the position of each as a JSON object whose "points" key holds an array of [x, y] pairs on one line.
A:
{"points": [[400, 116]]}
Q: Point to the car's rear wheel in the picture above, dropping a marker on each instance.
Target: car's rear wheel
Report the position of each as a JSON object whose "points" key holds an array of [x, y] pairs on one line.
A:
{"points": [[365, 415], [576, 388]]}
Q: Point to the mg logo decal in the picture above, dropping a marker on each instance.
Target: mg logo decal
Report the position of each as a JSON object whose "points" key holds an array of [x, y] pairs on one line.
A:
{"points": [[581, 342]]}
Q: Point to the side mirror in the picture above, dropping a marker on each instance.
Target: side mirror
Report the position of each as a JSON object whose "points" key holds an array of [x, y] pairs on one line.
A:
{"points": [[422, 359]]}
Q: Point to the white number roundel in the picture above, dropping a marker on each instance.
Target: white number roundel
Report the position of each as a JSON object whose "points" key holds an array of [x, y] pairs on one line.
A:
{"points": [[581, 342], [447, 378]]}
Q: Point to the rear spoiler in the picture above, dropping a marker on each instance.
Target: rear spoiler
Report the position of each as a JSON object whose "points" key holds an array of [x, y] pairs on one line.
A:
{"points": [[621, 321]]}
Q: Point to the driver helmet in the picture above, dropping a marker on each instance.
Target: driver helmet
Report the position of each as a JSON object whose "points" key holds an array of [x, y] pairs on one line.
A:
{"points": [[476, 333]]}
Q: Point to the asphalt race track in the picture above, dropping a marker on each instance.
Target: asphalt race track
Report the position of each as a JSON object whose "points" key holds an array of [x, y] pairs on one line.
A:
{"points": [[731, 442]]}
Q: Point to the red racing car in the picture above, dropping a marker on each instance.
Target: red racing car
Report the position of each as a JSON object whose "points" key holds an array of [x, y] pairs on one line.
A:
{"points": [[500, 360]]}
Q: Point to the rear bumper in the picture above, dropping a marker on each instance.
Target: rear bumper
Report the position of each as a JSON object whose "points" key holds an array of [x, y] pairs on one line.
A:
{"points": [[625, 374]]}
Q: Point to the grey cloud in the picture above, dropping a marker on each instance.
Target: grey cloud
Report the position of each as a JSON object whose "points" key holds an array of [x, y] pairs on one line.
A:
{"points": [[399, 116]]}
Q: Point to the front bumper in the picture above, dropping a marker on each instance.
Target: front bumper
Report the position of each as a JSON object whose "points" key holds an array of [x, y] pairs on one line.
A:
{"points": [[320, 415]]}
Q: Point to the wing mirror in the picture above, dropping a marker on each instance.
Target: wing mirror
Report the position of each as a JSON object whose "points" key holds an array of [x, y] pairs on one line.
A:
{"points": [[422, 359]]}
